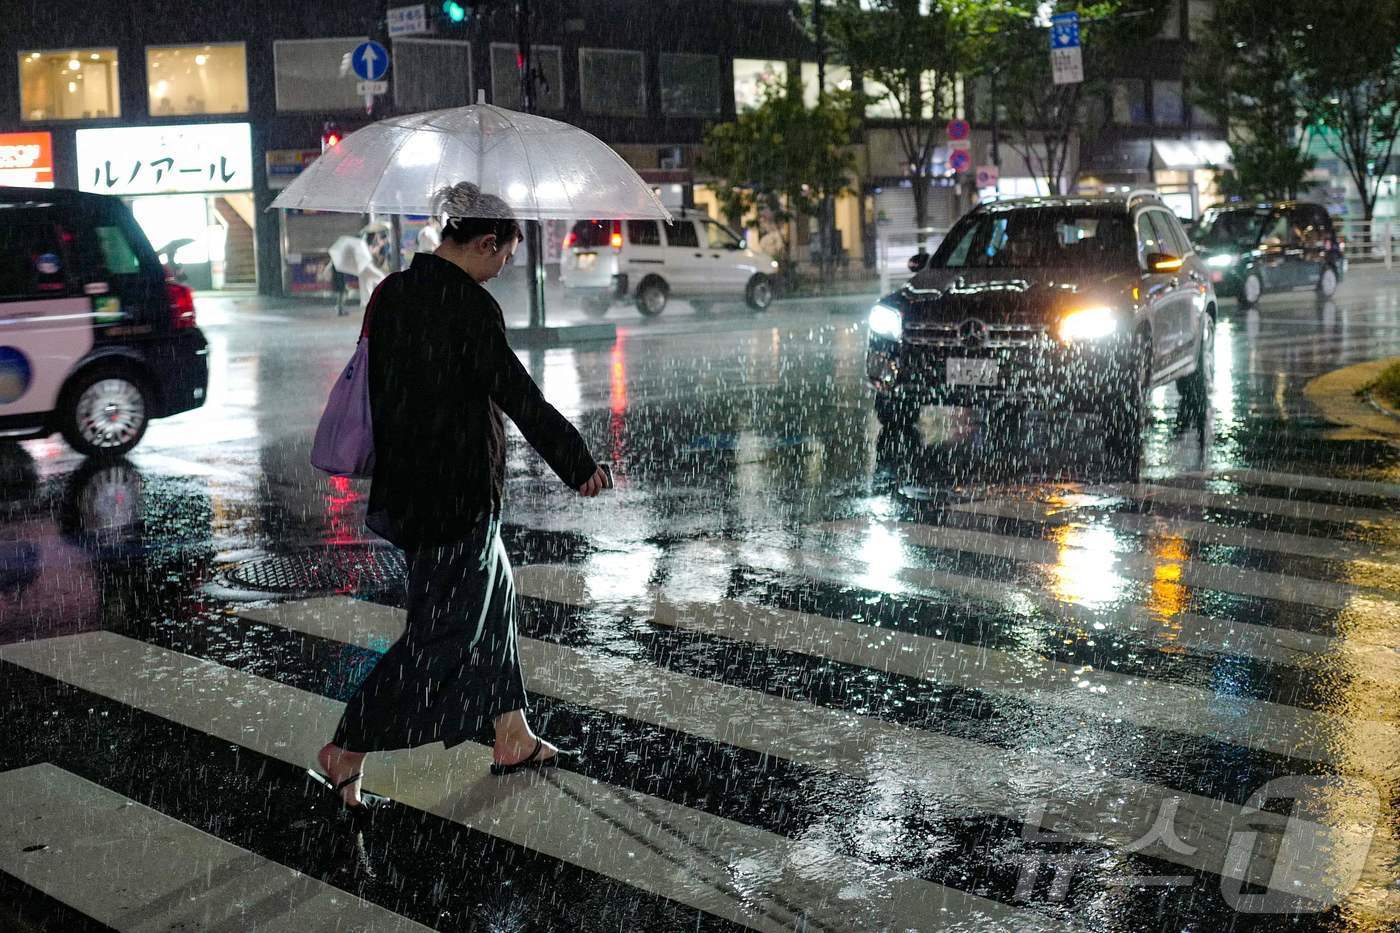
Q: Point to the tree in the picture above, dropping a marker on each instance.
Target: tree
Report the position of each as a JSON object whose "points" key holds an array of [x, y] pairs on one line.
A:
{"points": [[1244, 73], [780, 158], [910, 49], [1349, 68], [1011, 41]]}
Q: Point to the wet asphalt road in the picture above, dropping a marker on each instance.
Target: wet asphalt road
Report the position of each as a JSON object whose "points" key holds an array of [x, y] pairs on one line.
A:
{"points": [[822, 677]]}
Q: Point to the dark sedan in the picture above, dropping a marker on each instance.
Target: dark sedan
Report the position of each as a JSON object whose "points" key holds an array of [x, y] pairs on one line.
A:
{"points": [[1251, 249], [1082, 304]]}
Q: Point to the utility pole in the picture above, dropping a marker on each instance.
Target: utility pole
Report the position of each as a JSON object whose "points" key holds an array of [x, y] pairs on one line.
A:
{"points": [[824, 218], [534, 239]]}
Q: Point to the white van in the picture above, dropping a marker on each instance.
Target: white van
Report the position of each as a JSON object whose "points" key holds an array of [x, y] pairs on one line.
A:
{"points": [[649, 261]]}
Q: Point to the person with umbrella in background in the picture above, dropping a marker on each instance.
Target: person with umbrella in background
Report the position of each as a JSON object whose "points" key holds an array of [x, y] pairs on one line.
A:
{"points": [[366, 257], [441, 375]]}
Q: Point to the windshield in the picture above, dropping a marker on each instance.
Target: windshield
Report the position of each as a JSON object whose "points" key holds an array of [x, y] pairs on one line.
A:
{"points": [[1229, 228], [1038, 238]]}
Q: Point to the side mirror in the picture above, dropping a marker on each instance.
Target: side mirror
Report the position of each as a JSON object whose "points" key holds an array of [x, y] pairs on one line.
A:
{"points": [[1163, 262], [918, 261]]}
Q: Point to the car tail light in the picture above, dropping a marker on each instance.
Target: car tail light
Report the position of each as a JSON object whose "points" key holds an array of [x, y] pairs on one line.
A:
{"points": [[615, 241], [181, 305], [569, 239]]}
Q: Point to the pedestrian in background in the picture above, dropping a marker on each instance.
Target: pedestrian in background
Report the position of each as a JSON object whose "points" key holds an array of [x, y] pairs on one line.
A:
{"points": [[441, 374]]}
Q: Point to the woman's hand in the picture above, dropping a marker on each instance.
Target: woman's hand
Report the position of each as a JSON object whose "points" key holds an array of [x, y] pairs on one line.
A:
{"points": [[597, 483]]}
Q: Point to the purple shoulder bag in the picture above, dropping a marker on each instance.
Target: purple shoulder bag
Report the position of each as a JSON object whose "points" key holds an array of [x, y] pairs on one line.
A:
{"points": [[344, 444]]}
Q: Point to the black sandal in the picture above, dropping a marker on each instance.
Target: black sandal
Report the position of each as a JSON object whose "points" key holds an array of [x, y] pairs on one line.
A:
{"points": [[531, 762], [368, 802]]}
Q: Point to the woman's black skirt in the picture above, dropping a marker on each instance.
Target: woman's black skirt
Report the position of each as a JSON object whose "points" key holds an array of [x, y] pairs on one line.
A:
{"points": [[456, 666]]}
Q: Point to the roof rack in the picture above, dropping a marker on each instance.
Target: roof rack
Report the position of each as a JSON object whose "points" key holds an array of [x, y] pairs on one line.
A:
{"points": [[1138, 193]]}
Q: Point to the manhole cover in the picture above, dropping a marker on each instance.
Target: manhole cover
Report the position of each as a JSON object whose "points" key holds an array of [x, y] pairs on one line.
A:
{"points": [[339, 570]]}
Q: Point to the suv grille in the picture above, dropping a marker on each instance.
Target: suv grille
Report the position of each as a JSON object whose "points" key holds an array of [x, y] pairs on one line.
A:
{"points": [[975, 335]]}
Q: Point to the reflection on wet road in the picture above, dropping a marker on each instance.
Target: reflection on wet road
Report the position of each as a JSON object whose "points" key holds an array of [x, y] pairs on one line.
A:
{"points": [[978, 675]]}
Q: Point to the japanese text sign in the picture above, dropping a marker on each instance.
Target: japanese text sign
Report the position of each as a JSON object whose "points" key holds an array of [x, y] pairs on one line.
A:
{"points": [[166, 159]]}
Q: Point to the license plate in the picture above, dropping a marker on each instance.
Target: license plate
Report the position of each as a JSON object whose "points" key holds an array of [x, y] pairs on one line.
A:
{"points": [[964, 372], [586, 260]]}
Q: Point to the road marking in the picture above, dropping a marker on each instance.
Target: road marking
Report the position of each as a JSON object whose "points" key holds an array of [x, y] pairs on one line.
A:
{"points": [[752, 877], [1148, 568], [1299, 481], [1368, 650], [1086, 802], [1074, 508], [1022, 676], [1288, 508], [137, 870]]}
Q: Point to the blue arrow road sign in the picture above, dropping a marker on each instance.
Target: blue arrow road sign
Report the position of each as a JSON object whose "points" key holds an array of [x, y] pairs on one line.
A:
{"points": [[370, 60], [1064, 31]]}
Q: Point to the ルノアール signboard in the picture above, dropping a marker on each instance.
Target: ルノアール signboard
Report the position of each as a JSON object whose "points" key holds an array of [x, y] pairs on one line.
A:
{"points": [[166, 159], [26, 160]]}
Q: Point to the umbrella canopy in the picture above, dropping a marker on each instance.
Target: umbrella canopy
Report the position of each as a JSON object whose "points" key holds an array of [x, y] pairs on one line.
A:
{"points": [[542, 168]]}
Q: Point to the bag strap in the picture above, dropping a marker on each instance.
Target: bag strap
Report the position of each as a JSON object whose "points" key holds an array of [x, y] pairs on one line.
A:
{"points": [[369, 308]]}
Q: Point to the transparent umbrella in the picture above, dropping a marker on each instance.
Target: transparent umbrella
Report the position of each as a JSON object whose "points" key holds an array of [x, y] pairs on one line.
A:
{"points": [[542, 168]]}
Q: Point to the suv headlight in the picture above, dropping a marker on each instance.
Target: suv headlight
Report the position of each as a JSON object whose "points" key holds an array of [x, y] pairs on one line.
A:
{"points": [[886, 322], [1088, 324], [1221, 260]]}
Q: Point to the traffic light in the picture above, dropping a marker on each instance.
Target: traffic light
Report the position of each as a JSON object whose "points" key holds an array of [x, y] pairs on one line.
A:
{"points": [[330, 136], [454, 11]]}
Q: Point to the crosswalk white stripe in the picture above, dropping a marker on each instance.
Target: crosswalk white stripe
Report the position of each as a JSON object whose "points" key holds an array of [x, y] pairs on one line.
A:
{"points": [[1288, 508], [139, 871], [750, 876], [1088, 803], [1299, 481], [1079, 508], [1128, 565], [1107, 696], [1368, 650]]}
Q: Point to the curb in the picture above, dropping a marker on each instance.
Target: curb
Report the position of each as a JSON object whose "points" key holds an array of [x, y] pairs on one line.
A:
{"points": [[1343, 400]]}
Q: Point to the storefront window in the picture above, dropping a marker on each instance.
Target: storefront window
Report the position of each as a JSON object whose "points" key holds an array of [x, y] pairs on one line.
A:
{"points": [[431, 74], [689, 84], [78, 84], [194, 79], [838, 78], [1167, 106], [1199, 13], [751, 76], [547, 60], [1171, 21], [316, 74], [612, 81], [1129, 102]]}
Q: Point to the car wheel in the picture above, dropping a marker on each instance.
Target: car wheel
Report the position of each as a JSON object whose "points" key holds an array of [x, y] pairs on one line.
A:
{"points": [[652, 296], [894, 412], [104, 413], [1195, 388], [1125, 413], [596, 307], [1252, 289], [759, 293], [1327, 282]]}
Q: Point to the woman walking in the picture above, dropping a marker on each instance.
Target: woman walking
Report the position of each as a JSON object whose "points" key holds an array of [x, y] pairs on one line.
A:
{"points": [[440, 376]]}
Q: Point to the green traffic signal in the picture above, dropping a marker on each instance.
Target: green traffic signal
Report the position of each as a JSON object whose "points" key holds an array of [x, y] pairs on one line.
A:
{"points": [[455, 11]]}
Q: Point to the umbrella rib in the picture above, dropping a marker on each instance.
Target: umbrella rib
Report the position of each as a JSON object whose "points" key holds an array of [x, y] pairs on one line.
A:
{"points": [[534, 192], [388, 164]]}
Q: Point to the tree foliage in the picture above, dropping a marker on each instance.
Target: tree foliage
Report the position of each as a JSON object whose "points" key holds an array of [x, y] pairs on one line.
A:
{"points": [[911, 50], [1348, 63], [1244, 73], [780, 158], [1010, 48]]}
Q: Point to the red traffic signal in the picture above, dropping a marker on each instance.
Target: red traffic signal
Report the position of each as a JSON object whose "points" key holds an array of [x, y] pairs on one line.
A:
{"points": [[330, 136]]}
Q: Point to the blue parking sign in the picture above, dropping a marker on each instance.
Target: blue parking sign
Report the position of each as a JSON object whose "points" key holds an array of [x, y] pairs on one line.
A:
{"points": [[370, 61], [1064, 31]]}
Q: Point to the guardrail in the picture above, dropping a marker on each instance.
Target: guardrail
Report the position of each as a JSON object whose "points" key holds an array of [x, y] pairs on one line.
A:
{"points": [[894, 247], [1369, 241]]}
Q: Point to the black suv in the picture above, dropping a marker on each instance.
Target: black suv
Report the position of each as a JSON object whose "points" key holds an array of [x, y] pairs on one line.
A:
{"points": [[94, 341], [1082, 303], [1271, 246]]}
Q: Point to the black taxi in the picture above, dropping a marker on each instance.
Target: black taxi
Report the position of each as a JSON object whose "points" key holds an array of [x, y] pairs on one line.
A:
{"points": [[94, 340]]}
